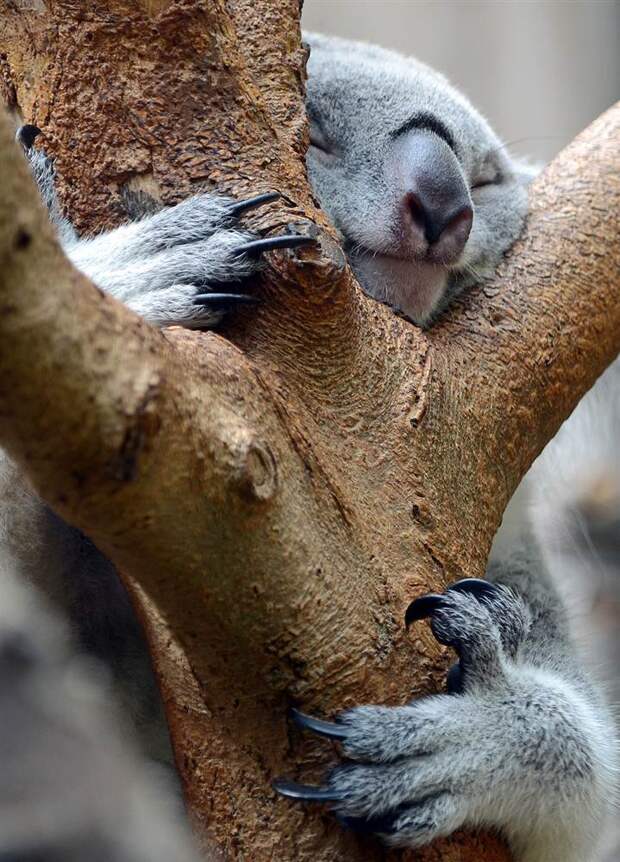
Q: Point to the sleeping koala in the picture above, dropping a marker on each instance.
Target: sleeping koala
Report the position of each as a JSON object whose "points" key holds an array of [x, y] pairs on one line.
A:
{"points": [[426, 200]]}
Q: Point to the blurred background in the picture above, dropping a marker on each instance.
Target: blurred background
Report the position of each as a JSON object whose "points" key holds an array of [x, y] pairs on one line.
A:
{"points": [[540, 70]]}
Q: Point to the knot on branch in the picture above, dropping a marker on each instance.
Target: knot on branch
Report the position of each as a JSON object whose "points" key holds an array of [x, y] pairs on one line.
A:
{"points": [[255, 474]]}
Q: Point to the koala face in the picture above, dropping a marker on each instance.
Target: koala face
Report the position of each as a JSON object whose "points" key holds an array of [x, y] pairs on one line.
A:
{"points": [[414, 179]]}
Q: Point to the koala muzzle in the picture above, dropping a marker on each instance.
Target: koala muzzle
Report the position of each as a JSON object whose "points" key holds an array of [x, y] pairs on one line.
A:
{"points": [[436, 211]]}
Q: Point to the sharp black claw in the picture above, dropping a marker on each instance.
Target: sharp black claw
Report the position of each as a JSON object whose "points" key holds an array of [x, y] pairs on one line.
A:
{"points": [[26, 135], [422, 608], [251, 203], [258, 246], [305, 792], [324, 728], [476, 586], [224, 301]]}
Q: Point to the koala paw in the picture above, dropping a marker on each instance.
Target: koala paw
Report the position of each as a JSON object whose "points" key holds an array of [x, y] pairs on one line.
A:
{"points": [[509, 742], [199, 261]]}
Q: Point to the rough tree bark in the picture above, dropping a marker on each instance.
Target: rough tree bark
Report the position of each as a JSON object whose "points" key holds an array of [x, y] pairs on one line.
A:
{"points": [[275, 495]]}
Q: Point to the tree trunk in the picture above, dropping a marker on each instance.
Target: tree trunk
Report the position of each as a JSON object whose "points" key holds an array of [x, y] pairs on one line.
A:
{"points": [[274, 497]]}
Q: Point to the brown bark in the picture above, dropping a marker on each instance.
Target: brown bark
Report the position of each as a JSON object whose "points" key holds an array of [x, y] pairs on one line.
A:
{"points": [[281, 493]]}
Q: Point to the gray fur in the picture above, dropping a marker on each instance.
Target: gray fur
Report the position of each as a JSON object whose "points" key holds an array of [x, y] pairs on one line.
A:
{"points": [[43, 171], [528, 746], [73, 786]]}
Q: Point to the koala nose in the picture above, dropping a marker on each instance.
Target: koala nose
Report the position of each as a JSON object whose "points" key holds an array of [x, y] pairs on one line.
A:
{"points": [[436, 207], [451, 219]]}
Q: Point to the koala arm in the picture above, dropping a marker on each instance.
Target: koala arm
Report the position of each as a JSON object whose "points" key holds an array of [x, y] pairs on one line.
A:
{"points": [[183, 265]]}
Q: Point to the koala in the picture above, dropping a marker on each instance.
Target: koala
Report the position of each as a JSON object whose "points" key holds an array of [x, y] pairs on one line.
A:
{"points": [[426, 200]]}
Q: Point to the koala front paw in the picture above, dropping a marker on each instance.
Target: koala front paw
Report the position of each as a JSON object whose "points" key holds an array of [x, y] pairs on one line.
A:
{"points": [[187, 264], [195, 282], [511, 743]]}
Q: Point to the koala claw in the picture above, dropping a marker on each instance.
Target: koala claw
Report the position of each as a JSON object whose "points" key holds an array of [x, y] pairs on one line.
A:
{"points": [[426, 606], [329, 729], [305, 792], [257, 246], [241, 207], [476, 586], [26, 135]]}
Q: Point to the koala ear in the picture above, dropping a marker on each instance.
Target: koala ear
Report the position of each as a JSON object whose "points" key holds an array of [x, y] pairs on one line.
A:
{"points": [[525, 171]]}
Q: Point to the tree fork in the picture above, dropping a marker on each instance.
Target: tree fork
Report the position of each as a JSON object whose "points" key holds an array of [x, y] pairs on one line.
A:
{"points": [[274, 500]]}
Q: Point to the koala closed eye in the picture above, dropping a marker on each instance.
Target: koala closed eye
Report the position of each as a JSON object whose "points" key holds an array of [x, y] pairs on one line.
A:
{"points": [[484, 181], [320, 143], [491, 172]]}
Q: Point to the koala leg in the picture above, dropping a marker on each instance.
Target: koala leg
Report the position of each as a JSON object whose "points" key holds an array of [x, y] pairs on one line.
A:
{"points": [[520, 748]]}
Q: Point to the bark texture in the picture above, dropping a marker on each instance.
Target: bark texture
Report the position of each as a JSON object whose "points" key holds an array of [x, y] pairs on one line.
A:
{"points": [[274, 497]]}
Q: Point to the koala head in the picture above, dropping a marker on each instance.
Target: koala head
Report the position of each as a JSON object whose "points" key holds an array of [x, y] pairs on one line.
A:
{"points": [[414, 179]]}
